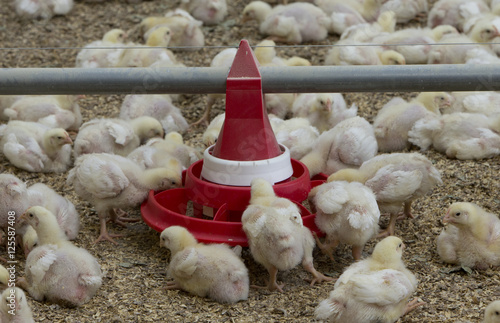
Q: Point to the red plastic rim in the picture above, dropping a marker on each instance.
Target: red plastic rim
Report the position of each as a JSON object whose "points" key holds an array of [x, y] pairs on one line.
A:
{"points": [[168, 208]]}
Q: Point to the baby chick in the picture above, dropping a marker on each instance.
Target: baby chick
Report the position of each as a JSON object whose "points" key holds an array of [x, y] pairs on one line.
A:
{"points": [[347, 145], [396, 179], [211, 12], [492, 313], [352, 52], [294, 23], [296, 134], [186, 31], [347, 213], [4, 277], [110, 181], [15, 199], [44, 9], [158, 106], [455, 12], [153, 51], [376, 289], [54, 111], [398, 116], [160, 152], [277, 238], [64, 210], [117, 136], [324, 110], [215, 270], [20, 312], [103, 53], [57, 270], [473, 237], [458, 135], [35, 147]]}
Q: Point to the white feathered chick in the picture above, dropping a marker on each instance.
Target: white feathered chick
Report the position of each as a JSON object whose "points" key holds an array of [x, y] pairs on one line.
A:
{"points": [[214, 270], [347, 145], [54, 111], [324, 110], [44, 9], [376, 289], [57, 270], [64, 210], [110, 181], [458, 135], [211, 12], [294, 23], [347, 213], [352, 52], [397, 179], [471, 238], [112, 135], [398, 116], [277, 238], [158, 106], [487, 103], [35, 147], [15, 200], [296, 134], [455, 12]]}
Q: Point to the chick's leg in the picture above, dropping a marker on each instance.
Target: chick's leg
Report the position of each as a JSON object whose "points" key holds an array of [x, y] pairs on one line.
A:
{"points": [[118, 216], [205, 119], [104, 230], [307, 262], [272, 284], [327, 248], [390, 227], [356, 252], [413, 305]]}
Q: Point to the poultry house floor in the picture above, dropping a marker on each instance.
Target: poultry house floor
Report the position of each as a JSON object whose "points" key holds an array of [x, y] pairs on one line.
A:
{"points": [[134, 270]]}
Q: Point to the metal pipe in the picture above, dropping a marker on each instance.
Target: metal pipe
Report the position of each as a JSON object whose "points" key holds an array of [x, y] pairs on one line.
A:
{"points": [[198, 80]]}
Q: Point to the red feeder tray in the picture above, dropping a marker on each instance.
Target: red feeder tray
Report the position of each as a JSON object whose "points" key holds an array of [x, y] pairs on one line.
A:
{"points": [[217, 189]]}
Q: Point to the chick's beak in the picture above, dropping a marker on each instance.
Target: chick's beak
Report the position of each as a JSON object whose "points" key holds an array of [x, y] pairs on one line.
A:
{"points": [[68, 140], [447, 218], [22, 220]]}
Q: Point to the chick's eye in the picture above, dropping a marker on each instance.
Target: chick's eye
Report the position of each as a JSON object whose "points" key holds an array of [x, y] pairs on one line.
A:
{"points": [[457, 214], [399, 245], [30, 215], [497, 313]]}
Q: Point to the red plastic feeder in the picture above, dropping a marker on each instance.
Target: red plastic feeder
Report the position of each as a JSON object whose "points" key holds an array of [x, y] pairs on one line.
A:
{"points": [[217, 189]]}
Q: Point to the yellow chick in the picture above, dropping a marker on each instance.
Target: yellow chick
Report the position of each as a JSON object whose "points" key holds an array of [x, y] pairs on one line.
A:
{"points": [[29, 240], [323, 110], [103, 53], [347, 213], [57, 270], [396, 179], [277, 238], [472, 238], [376, 289], [492, 313], [397, 117], [14, 307], [153, 51], [215, 270]]}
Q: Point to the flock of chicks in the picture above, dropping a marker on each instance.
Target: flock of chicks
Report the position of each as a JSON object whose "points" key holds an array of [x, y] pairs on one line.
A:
{"points": [[115, 162]]}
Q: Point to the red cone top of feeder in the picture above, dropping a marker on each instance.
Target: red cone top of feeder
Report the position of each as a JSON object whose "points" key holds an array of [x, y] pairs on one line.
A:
{"points": [[246, 134]]}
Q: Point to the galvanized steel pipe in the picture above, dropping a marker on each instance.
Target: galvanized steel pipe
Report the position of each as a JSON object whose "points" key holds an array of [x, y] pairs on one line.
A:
{"points": [[199, 80]]}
